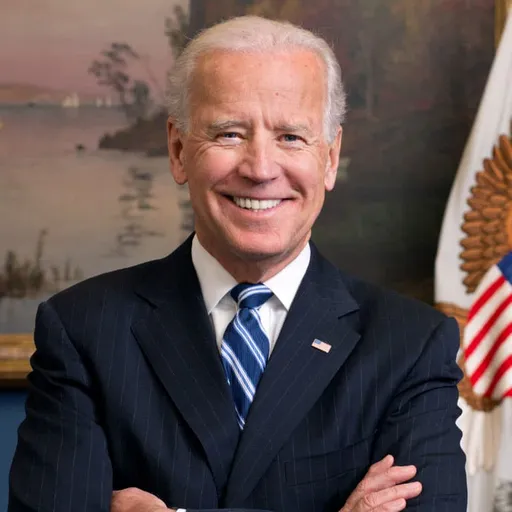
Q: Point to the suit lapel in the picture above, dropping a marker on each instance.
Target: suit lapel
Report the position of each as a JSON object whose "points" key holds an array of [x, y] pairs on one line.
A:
{"points": [[296, 374], [178, 341]]}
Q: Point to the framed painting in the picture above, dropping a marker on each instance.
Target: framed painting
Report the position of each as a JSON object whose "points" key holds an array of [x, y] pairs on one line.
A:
{"points": [[85, 185], [84, 181]]}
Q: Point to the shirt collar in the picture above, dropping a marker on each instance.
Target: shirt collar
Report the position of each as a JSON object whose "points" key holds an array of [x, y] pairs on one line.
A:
{"points": [[216, 281], [285, 283]]}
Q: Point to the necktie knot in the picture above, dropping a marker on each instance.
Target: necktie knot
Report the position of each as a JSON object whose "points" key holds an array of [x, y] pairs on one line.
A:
{"points": [[251, 296]]}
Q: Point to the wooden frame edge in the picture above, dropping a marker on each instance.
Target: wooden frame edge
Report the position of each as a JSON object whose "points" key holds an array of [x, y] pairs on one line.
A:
{"points": [[501, 11], [15, 352]]}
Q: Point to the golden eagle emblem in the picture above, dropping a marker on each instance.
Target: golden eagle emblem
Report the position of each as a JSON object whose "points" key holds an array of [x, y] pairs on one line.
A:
{"points": [[488, 225], [488, 238]]}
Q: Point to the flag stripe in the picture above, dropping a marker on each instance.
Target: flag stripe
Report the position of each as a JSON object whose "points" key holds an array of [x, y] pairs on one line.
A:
{"points": [[503, 385], [474, 326], [485, 297], [488, 340], [488, 359], [487, 326], [507, 365]]}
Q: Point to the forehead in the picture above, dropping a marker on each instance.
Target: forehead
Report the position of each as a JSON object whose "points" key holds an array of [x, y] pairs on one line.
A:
{"points": [[280, 80]]}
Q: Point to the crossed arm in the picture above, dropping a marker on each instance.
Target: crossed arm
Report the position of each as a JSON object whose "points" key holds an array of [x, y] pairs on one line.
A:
{"points": [[62, 462], [382, 489]]}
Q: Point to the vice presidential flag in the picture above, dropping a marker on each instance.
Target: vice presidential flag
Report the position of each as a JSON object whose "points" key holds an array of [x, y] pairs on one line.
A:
{"points": [[473, 283]]}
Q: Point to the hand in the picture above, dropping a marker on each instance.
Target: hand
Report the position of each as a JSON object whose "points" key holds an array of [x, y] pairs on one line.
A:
{"points": [[136, 500], [380, 489]]}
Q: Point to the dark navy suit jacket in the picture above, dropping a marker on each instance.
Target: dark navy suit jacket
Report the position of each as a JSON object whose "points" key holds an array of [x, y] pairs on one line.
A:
{"points": [[128, 390]]}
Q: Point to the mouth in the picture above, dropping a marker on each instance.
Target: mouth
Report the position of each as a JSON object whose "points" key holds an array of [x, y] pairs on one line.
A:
{"points": [[256, 205]]}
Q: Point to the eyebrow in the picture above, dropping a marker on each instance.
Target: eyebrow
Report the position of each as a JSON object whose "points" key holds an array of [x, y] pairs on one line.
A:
{"points": [[294, 128], [217, 126], [228, 124]]}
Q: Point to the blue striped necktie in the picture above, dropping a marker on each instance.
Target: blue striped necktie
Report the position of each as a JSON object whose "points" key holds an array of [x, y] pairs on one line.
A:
{"points": [[245, 346]]}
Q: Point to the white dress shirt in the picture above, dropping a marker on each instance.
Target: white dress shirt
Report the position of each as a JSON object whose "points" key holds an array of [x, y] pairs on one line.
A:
{"points": [[216, 283]]}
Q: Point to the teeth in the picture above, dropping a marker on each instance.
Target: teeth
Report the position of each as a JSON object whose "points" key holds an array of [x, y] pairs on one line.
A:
{"points": [[255, 204]]}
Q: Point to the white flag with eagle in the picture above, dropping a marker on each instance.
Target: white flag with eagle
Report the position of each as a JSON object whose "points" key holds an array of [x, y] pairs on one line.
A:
{"points": [[474, 284]]}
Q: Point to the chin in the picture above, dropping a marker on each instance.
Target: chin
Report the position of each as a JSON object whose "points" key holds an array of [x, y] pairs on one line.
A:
{"points": [[260, 246]]}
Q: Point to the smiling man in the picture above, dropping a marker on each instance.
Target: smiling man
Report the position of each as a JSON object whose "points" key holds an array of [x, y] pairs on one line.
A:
{"points": [[255, 156], [243, 371]]}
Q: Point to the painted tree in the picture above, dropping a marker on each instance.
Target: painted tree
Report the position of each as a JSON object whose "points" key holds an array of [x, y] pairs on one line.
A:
{"points": [[112, 71], [176, 30]]}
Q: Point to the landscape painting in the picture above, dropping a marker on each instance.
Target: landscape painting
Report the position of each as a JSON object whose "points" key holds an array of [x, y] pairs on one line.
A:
{"points": [[84, 180], [85, 185]]}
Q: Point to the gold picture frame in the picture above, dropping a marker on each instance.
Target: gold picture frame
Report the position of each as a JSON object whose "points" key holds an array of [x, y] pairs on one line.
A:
{"points": [[502, 7], [15, 352], [16, 349]]}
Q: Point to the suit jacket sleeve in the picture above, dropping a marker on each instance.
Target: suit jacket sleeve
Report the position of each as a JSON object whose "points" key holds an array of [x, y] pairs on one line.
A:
{"points": [[420, 427], [61, 462]]}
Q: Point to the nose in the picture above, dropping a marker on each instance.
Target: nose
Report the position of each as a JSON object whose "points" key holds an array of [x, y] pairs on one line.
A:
{"points": [[259, 164]]}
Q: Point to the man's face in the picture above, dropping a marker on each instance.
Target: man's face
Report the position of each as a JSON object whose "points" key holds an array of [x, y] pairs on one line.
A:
{"points": [[255, 156]]}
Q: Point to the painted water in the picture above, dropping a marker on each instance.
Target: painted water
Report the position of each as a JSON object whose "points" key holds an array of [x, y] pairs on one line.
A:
{"points": [[69, 211]]}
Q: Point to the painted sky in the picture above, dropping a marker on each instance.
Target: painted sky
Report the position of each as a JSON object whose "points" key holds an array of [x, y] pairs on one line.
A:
{"points": [[51, 43]]}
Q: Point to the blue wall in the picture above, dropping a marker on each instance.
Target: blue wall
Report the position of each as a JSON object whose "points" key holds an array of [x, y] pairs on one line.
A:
{"points": [[12, 411]]}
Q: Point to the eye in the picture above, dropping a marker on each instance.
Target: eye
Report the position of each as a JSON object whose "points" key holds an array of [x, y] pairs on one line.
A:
{"points": [[229, 138], [290, 137], [229, 135]]}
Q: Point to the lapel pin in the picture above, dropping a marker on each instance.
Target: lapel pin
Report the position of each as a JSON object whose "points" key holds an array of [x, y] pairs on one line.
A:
{"points": [[320, 345]]}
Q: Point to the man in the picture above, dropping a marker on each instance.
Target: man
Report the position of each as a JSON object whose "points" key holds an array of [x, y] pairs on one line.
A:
{"points": [[243, 370]]}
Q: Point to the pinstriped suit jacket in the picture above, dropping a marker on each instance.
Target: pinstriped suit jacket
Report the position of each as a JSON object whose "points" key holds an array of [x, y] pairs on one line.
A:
{"points": [[128, 389]]}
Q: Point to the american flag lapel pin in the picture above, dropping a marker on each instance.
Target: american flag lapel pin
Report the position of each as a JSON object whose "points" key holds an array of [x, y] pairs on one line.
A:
{"points": [[320, 345]]}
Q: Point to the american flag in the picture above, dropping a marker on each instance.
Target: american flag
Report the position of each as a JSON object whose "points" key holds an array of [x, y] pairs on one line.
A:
{"points": [[321, 345], [487, 341]]}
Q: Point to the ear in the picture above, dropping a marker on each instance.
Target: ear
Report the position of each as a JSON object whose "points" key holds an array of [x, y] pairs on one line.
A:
{"points": [[333, 161], [176, 155]]}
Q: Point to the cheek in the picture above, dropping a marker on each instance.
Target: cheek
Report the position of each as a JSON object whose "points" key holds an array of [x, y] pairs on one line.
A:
{"points": [[215, 164], [207, 173], [311, 180]]}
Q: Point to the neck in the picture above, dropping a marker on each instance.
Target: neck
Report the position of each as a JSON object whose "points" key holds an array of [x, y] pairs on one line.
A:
{"points": [[253, 268]]}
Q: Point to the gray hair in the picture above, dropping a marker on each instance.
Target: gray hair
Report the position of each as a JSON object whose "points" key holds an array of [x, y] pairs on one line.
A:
{"points": [[253, 33]]}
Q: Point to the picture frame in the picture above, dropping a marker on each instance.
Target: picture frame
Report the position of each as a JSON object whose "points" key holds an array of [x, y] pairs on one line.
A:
{"points": [[16, 349], [502, 8], [15, 352]]}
